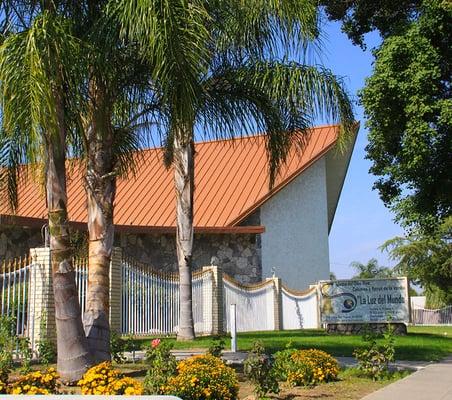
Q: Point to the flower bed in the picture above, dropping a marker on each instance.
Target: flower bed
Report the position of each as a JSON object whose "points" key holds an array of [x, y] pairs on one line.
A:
{"points": [[203, 377], [102, 379], [34, 383], [306, 367]]}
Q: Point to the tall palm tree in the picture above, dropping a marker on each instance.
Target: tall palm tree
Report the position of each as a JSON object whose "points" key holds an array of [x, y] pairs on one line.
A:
{"points": [[215, 65], [37, 72], [110, 137], [110, 89], [117, 83]]}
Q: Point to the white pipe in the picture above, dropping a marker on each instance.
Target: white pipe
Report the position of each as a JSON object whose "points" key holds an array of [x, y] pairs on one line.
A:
{"points": [[232, 323]]}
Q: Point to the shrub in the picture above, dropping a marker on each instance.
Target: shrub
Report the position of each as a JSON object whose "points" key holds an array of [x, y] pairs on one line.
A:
{"points": [[3, 387], [36, 383], [161, 366], [374, 360], [216, 347], [46, 348], [25, 354], [117, 347], [258, 368], [8, 344], [46, 352], [102, 379], [283, 363], [311, 367], [203, 377]]}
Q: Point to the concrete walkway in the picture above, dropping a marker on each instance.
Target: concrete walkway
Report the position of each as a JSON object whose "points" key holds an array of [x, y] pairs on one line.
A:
{"points": [[434, 382], [238, 357]]}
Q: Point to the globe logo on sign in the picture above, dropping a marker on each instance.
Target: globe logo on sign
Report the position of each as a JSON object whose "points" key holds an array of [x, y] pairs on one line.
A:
{"points": [[329, 292], [349, 304]]}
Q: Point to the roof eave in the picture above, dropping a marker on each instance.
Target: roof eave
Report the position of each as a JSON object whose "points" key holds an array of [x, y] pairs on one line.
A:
{"points": [[133, 229]]}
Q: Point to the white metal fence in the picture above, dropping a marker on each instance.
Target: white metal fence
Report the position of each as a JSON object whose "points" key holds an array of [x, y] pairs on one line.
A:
{"points": [[202, 301], [15, 288], [422, 316], [254, 305], [299, 309], [81, 280], [150, 300]]}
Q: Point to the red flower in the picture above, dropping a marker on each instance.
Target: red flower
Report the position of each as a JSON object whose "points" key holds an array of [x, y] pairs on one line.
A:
{"points": [[155, 343]]}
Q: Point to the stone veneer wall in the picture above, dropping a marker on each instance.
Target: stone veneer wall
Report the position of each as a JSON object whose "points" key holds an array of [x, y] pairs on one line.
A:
{"points": [[16, 241], [237, 255]]}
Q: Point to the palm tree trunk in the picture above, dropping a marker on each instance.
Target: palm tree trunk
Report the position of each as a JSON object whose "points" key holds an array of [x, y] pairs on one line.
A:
{"points": [[184, 165], [72, 347], [101, 190]]}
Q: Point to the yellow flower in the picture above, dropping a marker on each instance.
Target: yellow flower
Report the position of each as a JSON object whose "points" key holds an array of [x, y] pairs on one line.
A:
{"points": [[129, 391]]}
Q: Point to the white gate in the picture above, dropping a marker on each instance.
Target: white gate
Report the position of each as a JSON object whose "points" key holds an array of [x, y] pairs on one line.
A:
{"points": [[150, 300], [255, 305], [299, 309]]}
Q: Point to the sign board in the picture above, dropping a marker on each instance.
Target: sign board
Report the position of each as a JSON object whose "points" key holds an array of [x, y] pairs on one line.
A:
{"points": [[364, 300]]}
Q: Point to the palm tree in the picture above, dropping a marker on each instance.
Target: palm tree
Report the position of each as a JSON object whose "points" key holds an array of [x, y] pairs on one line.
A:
{"points": [[110, 88], [117, 84], [37, 71], [371, 270], [110, 137], [215, 65]]}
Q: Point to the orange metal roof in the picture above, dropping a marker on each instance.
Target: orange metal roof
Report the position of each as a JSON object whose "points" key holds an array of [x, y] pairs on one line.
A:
{"points": [[231, 182]]}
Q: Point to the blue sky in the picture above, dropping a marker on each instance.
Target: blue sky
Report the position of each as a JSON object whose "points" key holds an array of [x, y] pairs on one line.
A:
{"points": [[362, 223]]}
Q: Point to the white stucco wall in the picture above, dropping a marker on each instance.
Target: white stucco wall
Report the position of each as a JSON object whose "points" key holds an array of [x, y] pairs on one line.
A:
{"points": [[295, 241]]}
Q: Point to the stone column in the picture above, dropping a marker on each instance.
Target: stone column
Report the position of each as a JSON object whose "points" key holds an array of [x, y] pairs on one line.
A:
{"points": [[277, 304], [115, 290], [319, 305], [215, 297], [41, 312]]}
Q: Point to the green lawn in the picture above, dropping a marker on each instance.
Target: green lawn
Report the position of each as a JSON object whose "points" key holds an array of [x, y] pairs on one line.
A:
{"points": [[436, 330], [421, 343]]}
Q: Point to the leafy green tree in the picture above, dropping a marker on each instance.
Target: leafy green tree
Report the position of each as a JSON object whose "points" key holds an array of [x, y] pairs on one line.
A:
{"points": [[371, 270], [427, 259], [409, 115], [214, 64], [359, 17]]}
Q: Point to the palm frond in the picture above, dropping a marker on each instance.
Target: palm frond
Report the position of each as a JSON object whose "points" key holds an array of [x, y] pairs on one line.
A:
{"points": [[280, 99], [11, 158], [32, 64], [174, 37], [262, 28]]}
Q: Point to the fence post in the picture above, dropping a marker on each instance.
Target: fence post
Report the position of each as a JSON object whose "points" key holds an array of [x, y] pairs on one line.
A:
{"points": [[115, 290], [233, 325], [216, 299], [277, 304], [41, 311]]}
